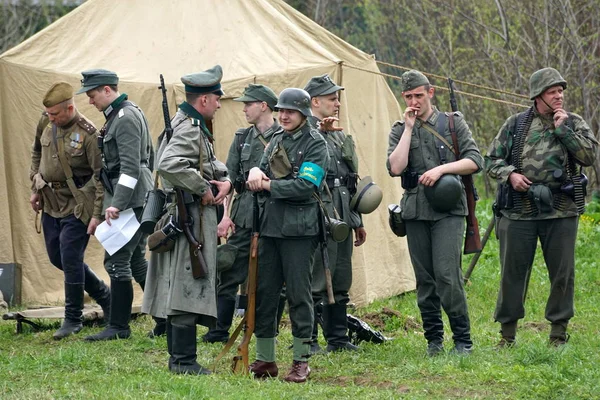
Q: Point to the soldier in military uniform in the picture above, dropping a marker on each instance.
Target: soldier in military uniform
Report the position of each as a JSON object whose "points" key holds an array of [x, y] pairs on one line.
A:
{"points": [[187, 161], [290, 174], [535, 159], [340, 186], [126, 176], [65, 162], [420, 150], [245, 153]]}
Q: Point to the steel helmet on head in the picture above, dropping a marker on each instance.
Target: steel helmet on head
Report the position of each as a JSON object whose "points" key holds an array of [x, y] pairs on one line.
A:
{"points": [[445, 194], [294, 99], [543, 79]]}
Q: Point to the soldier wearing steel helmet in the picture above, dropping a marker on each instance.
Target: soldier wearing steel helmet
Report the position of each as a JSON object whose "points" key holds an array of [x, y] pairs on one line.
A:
{"points": [[434, 207], [291, 171], [536, 159]]}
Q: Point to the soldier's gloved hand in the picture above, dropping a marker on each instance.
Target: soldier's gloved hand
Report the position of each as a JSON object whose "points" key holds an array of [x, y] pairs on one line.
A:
{"points": [[94, 222], [111, 213], [34, 200], [224, 226], [224, 188]]}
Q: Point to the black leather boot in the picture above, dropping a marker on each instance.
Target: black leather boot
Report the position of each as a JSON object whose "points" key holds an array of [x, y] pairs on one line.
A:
{"points": [[461, 329], [98, 290], [433, 326], [335, 328], [183, 351], [73, 321], [169, 332], [121, 297], [225, 310]]}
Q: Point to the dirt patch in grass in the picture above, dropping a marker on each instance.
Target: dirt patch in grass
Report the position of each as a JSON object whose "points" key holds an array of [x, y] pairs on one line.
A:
{"points": [[363, 380], [378, 319], [535, 326]]}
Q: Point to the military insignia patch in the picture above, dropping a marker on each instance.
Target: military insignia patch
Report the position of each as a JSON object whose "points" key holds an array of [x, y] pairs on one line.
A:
{"points": [[76, 141]]}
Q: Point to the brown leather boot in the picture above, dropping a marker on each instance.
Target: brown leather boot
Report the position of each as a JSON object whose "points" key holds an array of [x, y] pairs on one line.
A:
{"points": [[299, 372], [264, 369]]}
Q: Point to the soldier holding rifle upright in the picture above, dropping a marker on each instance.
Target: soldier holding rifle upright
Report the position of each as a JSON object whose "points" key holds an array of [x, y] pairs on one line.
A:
{"points": [[188, 165], [536, 159], [434, 207]]}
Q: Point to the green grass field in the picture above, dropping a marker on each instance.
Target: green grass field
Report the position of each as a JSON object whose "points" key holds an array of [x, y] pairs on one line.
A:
{"points": [[34, 366]]}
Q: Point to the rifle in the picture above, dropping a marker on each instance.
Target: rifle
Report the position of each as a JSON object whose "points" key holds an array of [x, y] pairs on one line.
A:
{"points": [[472, 237], [324, 253], [475, 258], [240, 362], [186, 222]]}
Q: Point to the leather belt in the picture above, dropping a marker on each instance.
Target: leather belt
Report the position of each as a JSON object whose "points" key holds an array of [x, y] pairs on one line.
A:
{"points": [[336, 182], [58, 185]]}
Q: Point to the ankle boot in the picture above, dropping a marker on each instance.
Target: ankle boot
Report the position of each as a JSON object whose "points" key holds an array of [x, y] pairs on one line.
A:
{"points": [[183, 351], [225, 310], [461, 329], [73, 321], [98, 291], [121, 297], [160, 327], [433, 326], [335, 328]]}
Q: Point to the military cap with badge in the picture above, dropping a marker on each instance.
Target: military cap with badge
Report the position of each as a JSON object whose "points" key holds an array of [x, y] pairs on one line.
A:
{"points": [[208, 81], [413, 79], [254, 93], [93, 78], [321, 86]]}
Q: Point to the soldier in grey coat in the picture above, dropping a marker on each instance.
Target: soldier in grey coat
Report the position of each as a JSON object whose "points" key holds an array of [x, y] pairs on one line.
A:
{"points": [[187, 161], [126, 175]]}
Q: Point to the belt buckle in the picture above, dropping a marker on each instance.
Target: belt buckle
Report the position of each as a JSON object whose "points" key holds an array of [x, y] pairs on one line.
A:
{"points": [[56, 185], [336, 182]]}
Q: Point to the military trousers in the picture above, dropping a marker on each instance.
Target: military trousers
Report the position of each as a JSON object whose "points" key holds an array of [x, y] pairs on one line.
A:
{"points": [[66, 239], [340, 265], [289, 261], [230, 279], [518, 243], [130, 260], [435, 249]]}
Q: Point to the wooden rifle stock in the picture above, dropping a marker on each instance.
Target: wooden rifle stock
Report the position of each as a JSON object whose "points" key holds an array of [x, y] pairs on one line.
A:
{"points": [[186, 222], [472, 236], [241, 360], [325, 254]]}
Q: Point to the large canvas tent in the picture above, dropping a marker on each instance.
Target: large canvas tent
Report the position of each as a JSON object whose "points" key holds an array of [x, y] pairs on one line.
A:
{"points": [[255, 41]]}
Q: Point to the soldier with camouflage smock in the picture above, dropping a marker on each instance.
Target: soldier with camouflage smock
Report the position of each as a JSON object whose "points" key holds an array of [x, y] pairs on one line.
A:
{"points": [[536, 159], [245, 153], [290, 174], [126, 175], [340, 186], [187, 161], [65, 162], [420, 151]]}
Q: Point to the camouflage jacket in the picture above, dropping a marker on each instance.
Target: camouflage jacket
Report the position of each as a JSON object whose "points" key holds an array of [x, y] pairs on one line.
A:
{"points": [[545, 149]]}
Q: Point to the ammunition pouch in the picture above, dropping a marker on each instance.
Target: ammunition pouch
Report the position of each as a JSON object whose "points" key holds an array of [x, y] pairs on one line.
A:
{"points": [[395, 220], [154, 208], [568, 187], [164, 237], [239, 185], [336, 229], [409, 179], [504, 198]]}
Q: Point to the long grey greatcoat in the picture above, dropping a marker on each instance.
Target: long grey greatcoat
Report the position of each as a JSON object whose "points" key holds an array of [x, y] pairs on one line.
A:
{"points": [[170, 287]]}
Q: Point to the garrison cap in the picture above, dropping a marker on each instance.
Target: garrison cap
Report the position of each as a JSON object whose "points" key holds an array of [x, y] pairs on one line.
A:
{"points": [[59, 92], [254, 92], [413, 79], [92, 78], [321, 86], [208, 81]]}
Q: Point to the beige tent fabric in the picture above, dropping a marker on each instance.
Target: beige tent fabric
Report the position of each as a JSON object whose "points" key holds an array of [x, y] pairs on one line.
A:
{"points": [[257, 41]]}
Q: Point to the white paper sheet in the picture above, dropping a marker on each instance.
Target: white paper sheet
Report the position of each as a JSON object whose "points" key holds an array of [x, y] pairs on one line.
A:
{"points": [[119, 233]]}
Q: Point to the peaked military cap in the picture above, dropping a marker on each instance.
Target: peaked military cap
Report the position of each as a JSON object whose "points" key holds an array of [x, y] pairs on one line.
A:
{"points": [[208, 81], [413, 79], [59, 92], [321, 86], [254, 92], [92, 78]]}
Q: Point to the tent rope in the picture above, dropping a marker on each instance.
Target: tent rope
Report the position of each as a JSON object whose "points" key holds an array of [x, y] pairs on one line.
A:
{"points": [[510, 103], [457, 81]]}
